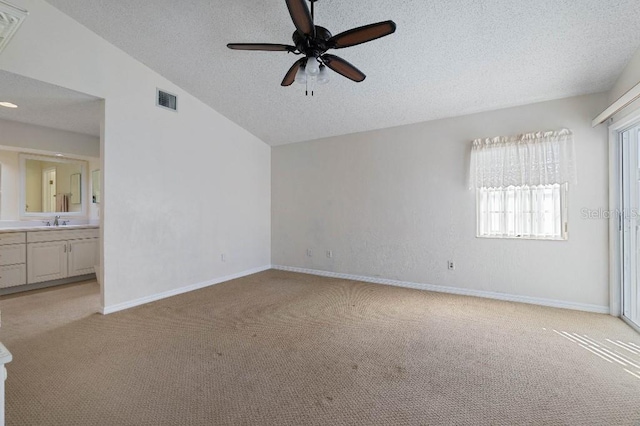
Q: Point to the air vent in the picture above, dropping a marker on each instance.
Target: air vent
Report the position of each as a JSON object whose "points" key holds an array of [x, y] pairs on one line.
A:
{"points": [[10, 19], [167, 100]]}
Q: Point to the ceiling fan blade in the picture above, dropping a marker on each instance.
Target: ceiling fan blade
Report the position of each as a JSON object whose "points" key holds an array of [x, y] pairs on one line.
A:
{"points": [[291, 74], [267, 47], [301, 16], [343, 67], [362, 34]]}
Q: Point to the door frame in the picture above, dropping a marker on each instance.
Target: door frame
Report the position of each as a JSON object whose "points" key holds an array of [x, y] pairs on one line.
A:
{"points": [[615, 209], [47, 197]]}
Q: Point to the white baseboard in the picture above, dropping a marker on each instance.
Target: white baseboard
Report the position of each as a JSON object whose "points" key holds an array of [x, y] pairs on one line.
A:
{"points": [[453, 290], [143, 300]]}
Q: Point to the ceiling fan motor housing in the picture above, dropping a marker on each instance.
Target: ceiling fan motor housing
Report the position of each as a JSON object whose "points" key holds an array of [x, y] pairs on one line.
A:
{"points": [[313, 46]]}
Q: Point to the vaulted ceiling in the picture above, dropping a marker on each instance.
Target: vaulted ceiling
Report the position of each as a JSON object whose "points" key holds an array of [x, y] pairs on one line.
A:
{"points": [[446, 59]]}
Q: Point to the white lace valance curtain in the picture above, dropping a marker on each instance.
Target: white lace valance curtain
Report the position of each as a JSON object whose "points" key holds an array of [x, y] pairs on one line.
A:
{"points": [[543, 158]]}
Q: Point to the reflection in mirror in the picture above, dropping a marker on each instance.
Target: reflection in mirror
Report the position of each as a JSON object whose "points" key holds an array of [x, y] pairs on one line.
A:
{"points": [[52, 185], [75, 186], [95, 186]]}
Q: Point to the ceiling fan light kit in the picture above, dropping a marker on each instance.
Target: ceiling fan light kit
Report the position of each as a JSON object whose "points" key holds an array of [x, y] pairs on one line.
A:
{"points": [[313, 41]]}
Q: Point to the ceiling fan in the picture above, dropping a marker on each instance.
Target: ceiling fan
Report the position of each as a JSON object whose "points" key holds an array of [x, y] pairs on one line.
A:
{"points": [[313, 41]]}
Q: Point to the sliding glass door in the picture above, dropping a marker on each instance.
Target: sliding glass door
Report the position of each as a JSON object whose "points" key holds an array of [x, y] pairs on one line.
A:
{"points": [[630, 224]]}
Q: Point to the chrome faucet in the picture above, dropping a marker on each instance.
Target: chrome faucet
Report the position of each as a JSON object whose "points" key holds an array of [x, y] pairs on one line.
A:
{"points": [[55, 221]]}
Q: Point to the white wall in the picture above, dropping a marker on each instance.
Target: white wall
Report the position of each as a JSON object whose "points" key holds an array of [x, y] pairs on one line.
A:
{"points": [[629, 78], [394, 203], [9, 186], [159, 232], [22, 135], [33, 185]]}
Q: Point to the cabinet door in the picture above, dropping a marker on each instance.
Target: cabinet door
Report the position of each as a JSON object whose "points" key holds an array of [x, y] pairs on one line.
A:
{"points": [[83, 256], [46, 261]]}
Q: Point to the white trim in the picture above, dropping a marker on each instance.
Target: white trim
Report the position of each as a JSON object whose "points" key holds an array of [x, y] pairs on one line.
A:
{"points": [[453, 290], [615, 242], [615, 205], [622, 102], [144, 300], [630, 323], [629, 120]]}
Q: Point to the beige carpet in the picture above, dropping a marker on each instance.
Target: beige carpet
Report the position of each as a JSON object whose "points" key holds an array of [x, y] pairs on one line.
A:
{"points": [[279, 348]]}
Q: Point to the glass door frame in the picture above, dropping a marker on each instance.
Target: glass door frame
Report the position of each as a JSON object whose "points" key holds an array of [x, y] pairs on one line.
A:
{"points": [[616, 219]]}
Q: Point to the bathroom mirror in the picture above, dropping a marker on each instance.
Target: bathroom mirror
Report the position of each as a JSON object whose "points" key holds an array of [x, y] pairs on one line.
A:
{"points": [[52, 185], [95, 186]]}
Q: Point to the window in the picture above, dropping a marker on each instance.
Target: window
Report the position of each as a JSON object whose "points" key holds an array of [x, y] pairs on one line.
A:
{"points": [[521, 184], [528, 212]]}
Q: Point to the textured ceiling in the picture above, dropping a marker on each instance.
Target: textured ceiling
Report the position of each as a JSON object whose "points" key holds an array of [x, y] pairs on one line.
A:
{"points": [[47, 105], [446, 58]]}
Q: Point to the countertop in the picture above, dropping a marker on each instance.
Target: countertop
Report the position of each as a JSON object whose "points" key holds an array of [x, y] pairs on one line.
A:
{"points": [[46, 228]]}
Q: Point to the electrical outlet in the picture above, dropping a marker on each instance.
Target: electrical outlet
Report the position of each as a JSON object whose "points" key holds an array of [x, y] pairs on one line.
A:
{"points": [[223, 257], [309, 252], [450, 265], [329, 254]]}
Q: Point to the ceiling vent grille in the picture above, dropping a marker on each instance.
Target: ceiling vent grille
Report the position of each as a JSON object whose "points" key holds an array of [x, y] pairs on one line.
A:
{"points": [[167, 100], [10, 19]]}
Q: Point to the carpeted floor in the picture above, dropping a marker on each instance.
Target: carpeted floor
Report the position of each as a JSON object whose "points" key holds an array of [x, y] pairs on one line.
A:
{"points": [[279, 348]]}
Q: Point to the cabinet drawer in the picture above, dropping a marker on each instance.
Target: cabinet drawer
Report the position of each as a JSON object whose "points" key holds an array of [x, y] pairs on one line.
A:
{"points": [[13, 238], [13, 255], [62, 235], [13, 275]]}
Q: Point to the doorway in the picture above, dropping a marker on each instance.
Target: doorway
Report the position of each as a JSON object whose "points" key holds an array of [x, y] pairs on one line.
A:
{"points": [[49, 189], [40, 193]]}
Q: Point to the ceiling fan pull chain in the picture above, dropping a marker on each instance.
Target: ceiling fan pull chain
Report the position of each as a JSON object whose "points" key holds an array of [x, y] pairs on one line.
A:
{"points": [[310, 85]]}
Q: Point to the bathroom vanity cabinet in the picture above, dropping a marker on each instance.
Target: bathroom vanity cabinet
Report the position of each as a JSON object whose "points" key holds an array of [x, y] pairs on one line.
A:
{"points": [[52, 255], [13, 259], [42, 256]]}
